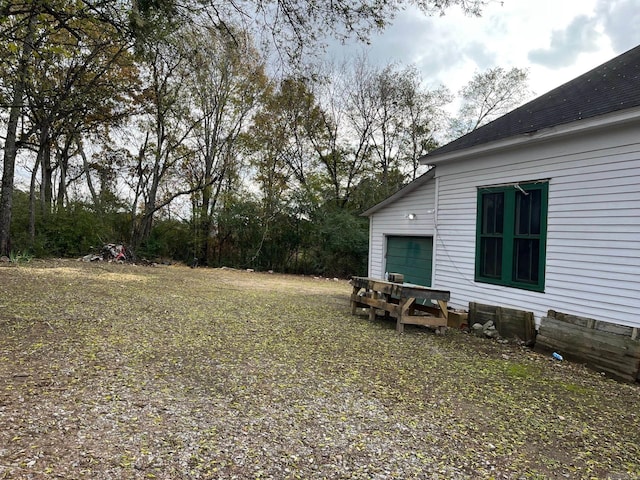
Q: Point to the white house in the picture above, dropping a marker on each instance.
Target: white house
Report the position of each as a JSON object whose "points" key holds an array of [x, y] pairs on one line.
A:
{"points": [[537, 210]]}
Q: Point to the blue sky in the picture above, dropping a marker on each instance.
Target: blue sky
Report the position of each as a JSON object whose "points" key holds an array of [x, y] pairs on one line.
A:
{"points": [[556, 40]]}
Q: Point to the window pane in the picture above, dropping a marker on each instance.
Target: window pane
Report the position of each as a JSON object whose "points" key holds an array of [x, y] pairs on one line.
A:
{"points": [[492, 213], [528, 210], [526, 253], [491, 257]]}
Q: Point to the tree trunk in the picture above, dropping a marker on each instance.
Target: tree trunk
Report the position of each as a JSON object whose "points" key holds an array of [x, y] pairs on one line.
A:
{"points": [[63, 161], [11, 145], [85, 165], [210, 194], [8, 172], [202, 244], [144, 225], [32, 203], [46, 169]]}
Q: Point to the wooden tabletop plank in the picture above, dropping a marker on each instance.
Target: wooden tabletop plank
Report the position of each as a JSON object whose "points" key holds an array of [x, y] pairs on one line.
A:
{"points": [[400, 290]]}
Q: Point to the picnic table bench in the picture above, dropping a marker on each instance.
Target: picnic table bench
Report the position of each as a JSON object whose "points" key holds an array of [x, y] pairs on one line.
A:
{"points": [[401, 301]]}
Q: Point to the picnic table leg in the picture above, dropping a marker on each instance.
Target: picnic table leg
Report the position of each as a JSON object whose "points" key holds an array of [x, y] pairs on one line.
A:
{"points": [[406, 306], [444, 313], [372, 310], [387, 315], [354, 304]]}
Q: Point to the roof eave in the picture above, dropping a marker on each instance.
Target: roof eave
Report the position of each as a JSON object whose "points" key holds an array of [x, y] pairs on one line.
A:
{"points": [[547, 134]]}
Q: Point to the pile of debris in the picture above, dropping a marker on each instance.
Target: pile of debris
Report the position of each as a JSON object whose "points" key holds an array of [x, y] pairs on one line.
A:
{"points": [[111, 252]]}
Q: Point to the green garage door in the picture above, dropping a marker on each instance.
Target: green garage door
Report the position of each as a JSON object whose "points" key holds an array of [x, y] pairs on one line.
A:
{"points": [[411, 256]]}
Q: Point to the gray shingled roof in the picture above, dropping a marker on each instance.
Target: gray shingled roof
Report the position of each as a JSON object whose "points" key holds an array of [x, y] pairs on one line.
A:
{"points": [[613, 86]]}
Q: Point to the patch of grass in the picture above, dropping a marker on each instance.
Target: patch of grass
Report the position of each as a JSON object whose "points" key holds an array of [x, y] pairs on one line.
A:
{"points": [[118, 371], [520, 370], [577, 389]]}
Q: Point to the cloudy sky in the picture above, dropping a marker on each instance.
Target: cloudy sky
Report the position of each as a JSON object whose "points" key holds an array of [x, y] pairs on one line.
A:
{"points": [[556, 40]]}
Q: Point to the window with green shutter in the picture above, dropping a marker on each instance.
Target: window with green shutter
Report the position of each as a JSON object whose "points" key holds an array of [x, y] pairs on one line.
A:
{"points": [[512, 235]]}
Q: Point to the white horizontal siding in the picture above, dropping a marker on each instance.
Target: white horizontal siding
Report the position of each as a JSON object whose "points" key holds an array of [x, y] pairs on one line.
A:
{"points": [[593, 239], [392, 220]]}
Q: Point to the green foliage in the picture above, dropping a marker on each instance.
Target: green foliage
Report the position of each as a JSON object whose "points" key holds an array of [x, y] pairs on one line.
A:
{"points": [[339, 243], [70, 232], [331, 242], [74, 231], [247, 238], [373, 188], [20, 257], [169, 239], [237, 238], [20, 221]]}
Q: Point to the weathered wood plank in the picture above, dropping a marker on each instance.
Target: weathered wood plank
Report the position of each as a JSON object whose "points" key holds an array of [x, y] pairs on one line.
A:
{"points": [[554, 341], [396, 277], [589, 338], [427, 309], [406, 305], [354, 299], [400, 290], [626, 367], [518, 324], [481, 313], [613, 328], [424, 321], [612, 353], [569, 347], [627, 371], [394, 310], [360, 301], [604, 326], [374, 302]]}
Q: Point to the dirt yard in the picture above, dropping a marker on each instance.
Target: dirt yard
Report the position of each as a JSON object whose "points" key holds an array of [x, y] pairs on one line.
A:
{"points": [[119, 372]]}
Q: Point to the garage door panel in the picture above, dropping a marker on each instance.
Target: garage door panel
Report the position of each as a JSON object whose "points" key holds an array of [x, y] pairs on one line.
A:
{"points": [[411, 256]]}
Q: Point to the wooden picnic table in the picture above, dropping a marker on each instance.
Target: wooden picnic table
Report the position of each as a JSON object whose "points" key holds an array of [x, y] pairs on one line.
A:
{"points": [[401, 301]]}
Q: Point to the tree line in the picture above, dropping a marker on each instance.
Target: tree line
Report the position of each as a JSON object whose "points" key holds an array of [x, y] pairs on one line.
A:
{"points": [[167, 126]]}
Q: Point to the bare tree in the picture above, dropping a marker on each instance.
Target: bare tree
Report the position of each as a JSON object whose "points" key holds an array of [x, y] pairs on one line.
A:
{"points": [[490, 95], [226, 82], [167, 125], [424, 118]]}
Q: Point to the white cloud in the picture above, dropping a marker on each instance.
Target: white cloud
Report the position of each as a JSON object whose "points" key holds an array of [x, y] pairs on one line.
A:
{"points": [[621, 21], [483, 57], [556, 40], [580, 36]]}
